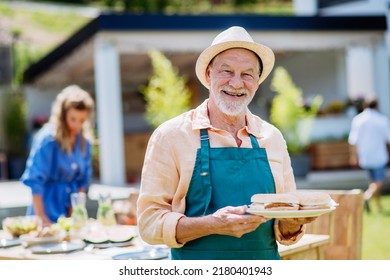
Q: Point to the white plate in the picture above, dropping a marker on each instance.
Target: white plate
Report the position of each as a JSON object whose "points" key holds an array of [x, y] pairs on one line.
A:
{"points": [[28, 240], [290, 213], [5, 243], [57, 248], [150, 254]]}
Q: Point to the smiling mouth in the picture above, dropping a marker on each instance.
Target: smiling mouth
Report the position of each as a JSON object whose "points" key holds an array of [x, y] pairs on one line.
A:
{"points": [[234, 95]]}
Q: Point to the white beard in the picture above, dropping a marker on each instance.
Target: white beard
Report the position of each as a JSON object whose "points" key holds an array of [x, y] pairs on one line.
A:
{"points": [[233, 108]]}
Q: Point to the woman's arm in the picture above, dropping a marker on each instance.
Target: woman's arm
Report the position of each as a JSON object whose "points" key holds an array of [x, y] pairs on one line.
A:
{"points": [[85, 180], [38, 209]]}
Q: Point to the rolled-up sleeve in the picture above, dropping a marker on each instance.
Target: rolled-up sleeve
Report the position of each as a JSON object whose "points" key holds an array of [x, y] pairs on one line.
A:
{"points": [[285, 182], [156, 219]]}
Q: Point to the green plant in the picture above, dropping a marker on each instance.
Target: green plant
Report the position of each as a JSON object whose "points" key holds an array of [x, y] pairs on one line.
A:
{"points": [[166, 94], [24, 55], [14, 109], [289, 112]]}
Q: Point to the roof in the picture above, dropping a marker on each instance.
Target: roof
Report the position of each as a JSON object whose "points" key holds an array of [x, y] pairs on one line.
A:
{"points": [[131, 22]]}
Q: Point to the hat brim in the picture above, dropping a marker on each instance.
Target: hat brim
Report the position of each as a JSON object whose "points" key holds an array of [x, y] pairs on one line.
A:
{"points": [[264, 53]]}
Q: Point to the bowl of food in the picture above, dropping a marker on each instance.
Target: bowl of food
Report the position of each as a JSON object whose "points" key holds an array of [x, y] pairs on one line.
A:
{"points": [[16, 226]]}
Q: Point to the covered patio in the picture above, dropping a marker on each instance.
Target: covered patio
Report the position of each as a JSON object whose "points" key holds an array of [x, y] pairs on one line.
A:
{"points": [[109, 58]]}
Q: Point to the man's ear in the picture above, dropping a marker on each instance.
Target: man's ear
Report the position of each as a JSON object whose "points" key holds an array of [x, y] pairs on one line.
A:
{"points": [[208, 74]]}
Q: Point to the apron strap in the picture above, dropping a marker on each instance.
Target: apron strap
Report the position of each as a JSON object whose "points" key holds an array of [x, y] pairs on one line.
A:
{"points": [[255, 144], [205, 165]]}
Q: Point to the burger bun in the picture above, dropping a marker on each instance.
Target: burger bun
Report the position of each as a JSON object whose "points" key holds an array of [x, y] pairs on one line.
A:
{"points": [[312, 200], [275, 201]]}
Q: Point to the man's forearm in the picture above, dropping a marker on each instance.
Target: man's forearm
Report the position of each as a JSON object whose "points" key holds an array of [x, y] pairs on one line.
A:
{"points": [[188, 229]]}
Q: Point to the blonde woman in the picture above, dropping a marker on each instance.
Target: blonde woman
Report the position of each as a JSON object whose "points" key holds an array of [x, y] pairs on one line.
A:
{"points": [[60, 158]]}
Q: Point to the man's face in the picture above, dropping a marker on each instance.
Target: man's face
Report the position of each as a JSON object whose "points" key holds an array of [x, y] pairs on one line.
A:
{"points": [[233, 76]]}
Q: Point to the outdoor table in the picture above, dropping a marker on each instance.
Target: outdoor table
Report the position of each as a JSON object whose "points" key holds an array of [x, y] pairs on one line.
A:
{"points": [[310, 247], [19, 252]]}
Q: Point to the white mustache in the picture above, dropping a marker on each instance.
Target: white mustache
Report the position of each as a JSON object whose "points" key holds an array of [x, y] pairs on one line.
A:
{"points": [[234, 91]]}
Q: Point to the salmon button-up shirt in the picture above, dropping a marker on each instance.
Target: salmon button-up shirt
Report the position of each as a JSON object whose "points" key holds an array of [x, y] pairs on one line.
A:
{"points": [[170, 160]]}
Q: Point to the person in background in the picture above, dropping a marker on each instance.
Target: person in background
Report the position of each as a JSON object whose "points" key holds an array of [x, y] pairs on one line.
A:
{"points": [[59, 162], [202, 167], [368, 138]]}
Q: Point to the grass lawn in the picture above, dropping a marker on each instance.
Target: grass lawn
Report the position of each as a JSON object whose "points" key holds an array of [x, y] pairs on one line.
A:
{"points": [[376, 232]]}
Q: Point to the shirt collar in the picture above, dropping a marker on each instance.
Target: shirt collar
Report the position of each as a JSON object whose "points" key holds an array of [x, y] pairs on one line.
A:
{"points": [[370, 110], [200, 120]]}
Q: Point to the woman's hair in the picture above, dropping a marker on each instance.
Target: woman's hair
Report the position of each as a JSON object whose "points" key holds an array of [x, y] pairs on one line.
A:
{"points": [[72, 97]]}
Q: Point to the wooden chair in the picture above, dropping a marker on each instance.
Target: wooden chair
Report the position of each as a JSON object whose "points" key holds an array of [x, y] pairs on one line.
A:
{"points": [[344, 225], [126, 209]]}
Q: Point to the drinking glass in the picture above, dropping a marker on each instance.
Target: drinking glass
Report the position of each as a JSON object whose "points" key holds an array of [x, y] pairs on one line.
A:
{"points": [[105, 213], [79, 210]]}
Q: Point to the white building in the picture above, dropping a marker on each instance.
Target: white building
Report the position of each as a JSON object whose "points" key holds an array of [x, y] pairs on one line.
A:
{"points": [[367, 66]]}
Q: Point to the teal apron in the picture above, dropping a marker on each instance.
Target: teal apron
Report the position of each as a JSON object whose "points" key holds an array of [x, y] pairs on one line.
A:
{"points": [[228, 177]]}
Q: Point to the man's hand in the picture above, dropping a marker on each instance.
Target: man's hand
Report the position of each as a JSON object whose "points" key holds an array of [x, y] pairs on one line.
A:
{"points": [[291, 226], [233, 221]]}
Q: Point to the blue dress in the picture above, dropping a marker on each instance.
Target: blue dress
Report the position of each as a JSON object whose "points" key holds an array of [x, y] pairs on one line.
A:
{"points": [[55, 174]]}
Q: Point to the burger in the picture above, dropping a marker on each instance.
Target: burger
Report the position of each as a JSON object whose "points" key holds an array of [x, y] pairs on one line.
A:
{"points": [[274, 202], [313, 200]]}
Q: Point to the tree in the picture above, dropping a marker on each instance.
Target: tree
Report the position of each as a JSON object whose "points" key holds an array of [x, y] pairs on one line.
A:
{"points": [[186, 6], [166, 95]]}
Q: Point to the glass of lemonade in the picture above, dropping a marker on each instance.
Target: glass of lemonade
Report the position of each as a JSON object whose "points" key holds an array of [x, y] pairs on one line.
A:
{"points": [[105, 213], [79, 210]]}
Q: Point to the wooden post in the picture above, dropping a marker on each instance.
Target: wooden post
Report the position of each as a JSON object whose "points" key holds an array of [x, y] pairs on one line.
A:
{"points": [[344, 226]]}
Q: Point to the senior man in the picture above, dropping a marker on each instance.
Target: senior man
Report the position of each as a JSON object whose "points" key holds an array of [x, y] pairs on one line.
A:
{"points": [[202, 167]]}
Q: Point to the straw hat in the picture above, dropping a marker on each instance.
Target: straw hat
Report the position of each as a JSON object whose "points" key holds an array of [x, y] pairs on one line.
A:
{"points": [[234, 37]]}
